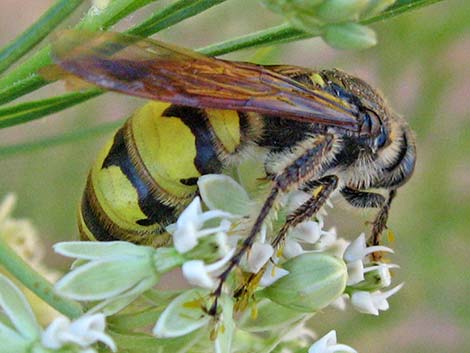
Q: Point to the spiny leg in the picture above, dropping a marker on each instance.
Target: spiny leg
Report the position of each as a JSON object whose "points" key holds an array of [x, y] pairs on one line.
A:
{"points": [[305, 211], [362, 199], [307, 166], [380, 224], [308, 209]]}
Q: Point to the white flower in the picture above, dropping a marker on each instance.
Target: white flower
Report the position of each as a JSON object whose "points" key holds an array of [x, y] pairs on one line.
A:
{"points": [[257, 257], [199, 274], [327, 344], [188, 227], [85, 331], [340, 302], [371, 303], [355, 255]]}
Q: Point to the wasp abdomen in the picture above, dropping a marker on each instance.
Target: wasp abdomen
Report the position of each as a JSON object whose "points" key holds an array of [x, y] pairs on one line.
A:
{"points": [[147, 174]]}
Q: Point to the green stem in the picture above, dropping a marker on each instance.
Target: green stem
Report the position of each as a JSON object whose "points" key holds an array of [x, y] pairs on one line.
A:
{"points": [[274, 35], [96, 20], [68, 137], [36, 283], [171, 15], [32, 110], [398, 8], [36, 32]]}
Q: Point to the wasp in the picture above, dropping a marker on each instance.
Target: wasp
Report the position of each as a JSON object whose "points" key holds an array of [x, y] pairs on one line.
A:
{"points": [[321, 131]]}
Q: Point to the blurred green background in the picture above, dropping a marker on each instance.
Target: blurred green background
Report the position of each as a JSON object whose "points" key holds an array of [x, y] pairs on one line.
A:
{"points": [[422, 66]]}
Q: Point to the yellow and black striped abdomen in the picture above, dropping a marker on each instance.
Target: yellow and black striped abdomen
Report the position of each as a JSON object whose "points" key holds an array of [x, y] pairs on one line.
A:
{"points": [[147, 174]]}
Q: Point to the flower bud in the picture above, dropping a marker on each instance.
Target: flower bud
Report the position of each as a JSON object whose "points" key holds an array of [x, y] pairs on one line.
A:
{"points": [[335, 11], [349, 36], [313, 282]]}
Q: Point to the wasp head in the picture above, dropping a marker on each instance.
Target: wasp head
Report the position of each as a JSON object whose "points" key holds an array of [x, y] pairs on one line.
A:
{"points": [[388, 150]]}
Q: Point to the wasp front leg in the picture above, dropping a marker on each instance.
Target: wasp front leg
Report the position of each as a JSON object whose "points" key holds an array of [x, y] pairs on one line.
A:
{"points": [[364, 199], [380, 224], [310, 162]]}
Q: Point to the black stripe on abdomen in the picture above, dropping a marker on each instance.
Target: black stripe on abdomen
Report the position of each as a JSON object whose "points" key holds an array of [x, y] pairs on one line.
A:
{"points": [[92, 215], [156, 211], [207, 159]]}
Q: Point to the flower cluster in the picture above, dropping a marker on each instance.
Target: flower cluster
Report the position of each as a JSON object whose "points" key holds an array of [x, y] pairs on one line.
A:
{"points": [[273, 292], [335, 20], [366, 279]]}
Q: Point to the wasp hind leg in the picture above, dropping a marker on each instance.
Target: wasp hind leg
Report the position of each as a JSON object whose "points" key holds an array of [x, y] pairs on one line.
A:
{"points": [[321, 189], [308, 165]]}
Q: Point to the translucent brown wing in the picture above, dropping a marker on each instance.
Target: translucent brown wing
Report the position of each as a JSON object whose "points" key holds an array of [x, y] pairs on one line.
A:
{"points": [[151, 69]]}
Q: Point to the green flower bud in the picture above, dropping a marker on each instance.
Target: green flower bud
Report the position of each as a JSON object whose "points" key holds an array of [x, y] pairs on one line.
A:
{"points": [[268, 316], [349, 36], [313, 282], [335, 11]]}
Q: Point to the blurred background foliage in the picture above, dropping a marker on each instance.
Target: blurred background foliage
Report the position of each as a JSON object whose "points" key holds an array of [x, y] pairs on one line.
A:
{"points": [[421, 64]]}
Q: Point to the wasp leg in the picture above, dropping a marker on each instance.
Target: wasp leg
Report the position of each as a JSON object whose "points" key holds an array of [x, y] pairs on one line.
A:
{"points": [[307, 166], [305, 211], [379, 225], [362, 199], [309, 208]]}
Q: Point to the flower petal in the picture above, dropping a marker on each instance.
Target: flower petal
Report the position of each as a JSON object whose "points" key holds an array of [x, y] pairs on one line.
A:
{"points": [[91, 250], [221, 192], [14, 304], [183, 315], [104, 279]]}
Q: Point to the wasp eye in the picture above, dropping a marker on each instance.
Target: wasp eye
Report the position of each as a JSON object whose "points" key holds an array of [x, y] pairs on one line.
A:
{"points": [[382, 138], [371, 123]]}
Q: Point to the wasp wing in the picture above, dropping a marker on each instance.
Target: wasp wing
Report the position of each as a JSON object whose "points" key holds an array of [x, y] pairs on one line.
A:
{"points": [[154, 70]]}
